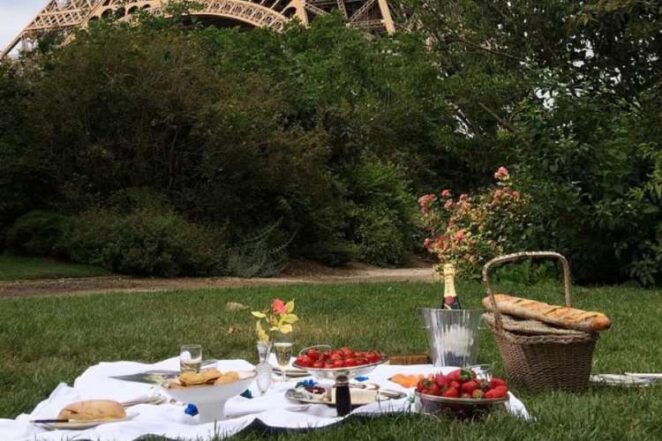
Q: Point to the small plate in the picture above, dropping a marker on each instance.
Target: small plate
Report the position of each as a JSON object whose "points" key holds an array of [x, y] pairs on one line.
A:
{"points": [[361, 395], [620, 380], [82, 425]]}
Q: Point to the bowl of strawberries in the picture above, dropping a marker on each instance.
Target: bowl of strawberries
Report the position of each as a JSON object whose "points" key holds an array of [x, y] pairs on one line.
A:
{"points": [[325, 363], [461, 394]]}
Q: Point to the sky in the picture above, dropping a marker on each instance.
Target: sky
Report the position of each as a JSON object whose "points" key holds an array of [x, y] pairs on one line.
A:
{"points": [[15, 15]]}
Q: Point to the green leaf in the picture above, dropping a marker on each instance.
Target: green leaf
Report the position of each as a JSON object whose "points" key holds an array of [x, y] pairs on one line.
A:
{"points": [[290, 306], [258, 314]]}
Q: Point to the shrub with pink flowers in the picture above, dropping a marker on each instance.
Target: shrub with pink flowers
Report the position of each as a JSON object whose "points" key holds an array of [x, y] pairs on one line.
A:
{"points": [[471, 229]]}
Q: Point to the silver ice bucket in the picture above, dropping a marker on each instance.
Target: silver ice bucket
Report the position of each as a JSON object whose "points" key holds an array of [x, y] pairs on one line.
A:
{"points": [[452, 335]]}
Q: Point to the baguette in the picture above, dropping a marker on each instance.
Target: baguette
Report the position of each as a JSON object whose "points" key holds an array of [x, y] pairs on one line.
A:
{"points": [[93, 410], [561, 316]]}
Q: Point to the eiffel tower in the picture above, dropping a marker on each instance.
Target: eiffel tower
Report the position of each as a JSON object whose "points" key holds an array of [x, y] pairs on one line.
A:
{"points": [[66, 15]]}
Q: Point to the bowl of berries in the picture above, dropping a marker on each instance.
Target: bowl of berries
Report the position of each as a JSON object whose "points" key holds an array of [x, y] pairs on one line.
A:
{"points": [[461, 394], [325, 363]]}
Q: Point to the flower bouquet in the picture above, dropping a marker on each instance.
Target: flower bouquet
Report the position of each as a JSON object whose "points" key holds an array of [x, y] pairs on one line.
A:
{"points": [[467, 231], [279, 318]]}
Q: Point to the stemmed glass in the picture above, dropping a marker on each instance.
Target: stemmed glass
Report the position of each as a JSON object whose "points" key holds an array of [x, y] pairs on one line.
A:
{"points": [[283, 346]]}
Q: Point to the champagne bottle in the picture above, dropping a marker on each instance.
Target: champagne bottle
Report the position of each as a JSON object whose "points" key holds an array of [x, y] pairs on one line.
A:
{"points": [[451, 300]]}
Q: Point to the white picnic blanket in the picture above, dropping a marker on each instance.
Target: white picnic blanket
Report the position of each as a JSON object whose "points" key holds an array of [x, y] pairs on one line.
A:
{"points": [[169, 420]]}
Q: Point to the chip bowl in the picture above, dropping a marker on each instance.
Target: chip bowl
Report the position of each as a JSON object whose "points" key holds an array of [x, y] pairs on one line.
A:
{"points": [[210, 399], [460, 408], [334, 373]]}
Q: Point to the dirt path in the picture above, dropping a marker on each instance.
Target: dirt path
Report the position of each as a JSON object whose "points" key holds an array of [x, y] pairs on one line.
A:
{"points": [[295, 274]]}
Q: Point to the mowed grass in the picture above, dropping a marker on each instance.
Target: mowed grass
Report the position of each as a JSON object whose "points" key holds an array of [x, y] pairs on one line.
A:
{"points": [[44, 341], [25, 268]]}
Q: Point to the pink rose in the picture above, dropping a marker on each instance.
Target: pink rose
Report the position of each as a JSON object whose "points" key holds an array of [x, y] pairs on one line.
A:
{"points": [[278, 306], [501, 174], [449, 204], [445, 193], [464, 197], [459, 236], [425, 201]]}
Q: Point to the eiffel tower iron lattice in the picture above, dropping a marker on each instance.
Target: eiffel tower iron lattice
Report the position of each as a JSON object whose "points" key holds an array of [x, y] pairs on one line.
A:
{"points": [[68, 15]]}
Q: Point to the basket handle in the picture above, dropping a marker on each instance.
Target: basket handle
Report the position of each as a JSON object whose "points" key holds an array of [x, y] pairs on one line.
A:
{"points": [[516, 257]]}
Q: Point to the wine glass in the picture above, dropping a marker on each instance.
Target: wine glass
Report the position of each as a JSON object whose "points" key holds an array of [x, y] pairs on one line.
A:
{"points": [[283, 346]]}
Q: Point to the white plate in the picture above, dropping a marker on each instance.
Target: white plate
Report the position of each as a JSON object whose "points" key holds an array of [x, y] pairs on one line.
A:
{"points": [[620, 380], [360, 396], [82, 425]]}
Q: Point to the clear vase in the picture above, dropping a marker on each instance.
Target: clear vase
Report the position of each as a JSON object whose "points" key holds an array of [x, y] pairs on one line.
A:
{"points": [[264, 370]]}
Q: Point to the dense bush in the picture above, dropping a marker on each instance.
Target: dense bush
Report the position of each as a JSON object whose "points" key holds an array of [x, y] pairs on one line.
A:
{"points": [[147, 241], [37, 233], [380, 224]]}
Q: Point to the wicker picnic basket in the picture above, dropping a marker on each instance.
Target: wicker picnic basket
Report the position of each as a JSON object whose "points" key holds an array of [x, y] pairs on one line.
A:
{"points": [[536, 355]]}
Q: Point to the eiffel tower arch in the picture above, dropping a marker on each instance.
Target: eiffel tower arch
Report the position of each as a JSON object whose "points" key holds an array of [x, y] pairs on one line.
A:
{"points": [[68, 15]]}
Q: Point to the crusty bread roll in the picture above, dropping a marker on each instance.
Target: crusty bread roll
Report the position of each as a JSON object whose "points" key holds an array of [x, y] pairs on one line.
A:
{"points": [[92, 410], [561, 316]]}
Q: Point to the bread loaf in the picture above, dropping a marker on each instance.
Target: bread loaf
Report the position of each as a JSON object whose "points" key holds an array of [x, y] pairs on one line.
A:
{"points": [[93, 410], [561, 316]]}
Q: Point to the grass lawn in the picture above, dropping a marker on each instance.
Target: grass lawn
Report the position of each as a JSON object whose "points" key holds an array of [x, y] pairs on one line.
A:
{"points": [[47, 340], [23, 268]]}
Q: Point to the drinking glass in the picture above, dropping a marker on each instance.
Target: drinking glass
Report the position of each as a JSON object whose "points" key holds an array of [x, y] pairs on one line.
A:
{"points": [[190, 358], [283, 346]]}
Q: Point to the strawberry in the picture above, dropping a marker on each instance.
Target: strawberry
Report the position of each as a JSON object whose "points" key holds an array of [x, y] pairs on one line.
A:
{"points": [[309, 361], [469, 386], [435, 389], [494, 382], [441, 380], [349, 362], [313, 354], [500, 391], [451, 392], [454, 375], [477, 394], [373, 357], [455, 384], [465, 395], [489, 395]]}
